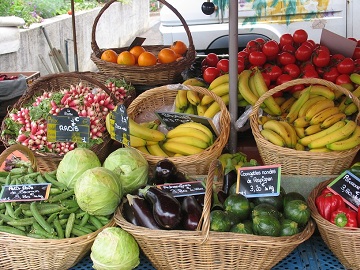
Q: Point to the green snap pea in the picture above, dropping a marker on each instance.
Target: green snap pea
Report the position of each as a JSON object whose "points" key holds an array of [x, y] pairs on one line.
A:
{"points": [[94, 221], [38, 229], [63, 196], [12, 230], [54, 182], [45, 209], [103, 219], [40, 179], [4, 174], [34, 235], [55, 191], [21, 170], [40, 219], [22, 222], [3, 180], [69, 225], [84, 219], [6, 218], [51, 218], [10, 210], [69, 203], [77, 232], [91, 227], [84, 229], [59, 230], [2, 205]]}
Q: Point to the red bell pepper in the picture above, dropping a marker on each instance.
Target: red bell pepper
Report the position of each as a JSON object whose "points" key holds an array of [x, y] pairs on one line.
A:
{"points": [[344, 217], [328, 202]]}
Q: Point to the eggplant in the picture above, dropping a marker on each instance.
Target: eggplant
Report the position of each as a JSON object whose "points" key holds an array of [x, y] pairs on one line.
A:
{"points": [[191, 211], [129, 213], [164, 172], [142, 212], [229, 179], [166, 209]]}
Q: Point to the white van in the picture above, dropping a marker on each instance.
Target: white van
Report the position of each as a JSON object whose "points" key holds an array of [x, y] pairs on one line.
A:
{"points": [[268, 19]]}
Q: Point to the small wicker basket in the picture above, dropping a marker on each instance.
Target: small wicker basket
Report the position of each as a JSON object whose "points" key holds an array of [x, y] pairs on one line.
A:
{"points": [[22, 252], [294, 162], [159, 74], [53, 83], [154, 99], [343, 242], [205, 249]]}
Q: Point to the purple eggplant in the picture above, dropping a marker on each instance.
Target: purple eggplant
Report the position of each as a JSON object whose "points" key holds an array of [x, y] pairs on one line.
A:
{"points": [[164, 172], [191, 211], [128, 213]]}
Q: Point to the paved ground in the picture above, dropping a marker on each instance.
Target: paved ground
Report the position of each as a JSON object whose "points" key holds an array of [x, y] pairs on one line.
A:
{"points": [[153, 35]]}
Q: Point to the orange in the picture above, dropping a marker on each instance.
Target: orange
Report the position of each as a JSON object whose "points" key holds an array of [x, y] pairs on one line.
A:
{"points": [[147, 59], [136, 51], [126, 58], [179, 47], [109, 56], [167, 56]]}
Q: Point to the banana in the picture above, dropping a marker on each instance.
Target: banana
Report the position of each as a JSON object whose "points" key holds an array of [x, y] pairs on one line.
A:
{"points": [[240, 97], [300, 132], [346, 144], [190, 109], [324, 114], [277, 127], [252, 86], [261, 89], [143, 149], [193, 97], [312, 129], [151, 124], [145, 133], [219, 80], [299, 147], [183, 101], [244, 89], [322, 90], [317, 107], [280, 100], [342, 104], [294, 109], [156, 150], [201, 109], [348, 86], [272, 137], [308, 139], [199, 126], [301, 122], [333, 119], [350, 109], [151, 142], [136, 141], [109, 123], [285, 107], [355, 93], [194, 82], [186, 131], [335, 136], [355, 78], [243, 103], [263, 119], [291, 131], [311, 101], [219, 90], [178, 108], [214, 107], [190, 140], [181, 148]]}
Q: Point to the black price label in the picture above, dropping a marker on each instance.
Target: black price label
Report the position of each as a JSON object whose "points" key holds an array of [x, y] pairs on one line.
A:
{"points": [[259, 181], [121, 124], [172, 120], [28, 192], [68, 126], [184, 189], [347, 185]]}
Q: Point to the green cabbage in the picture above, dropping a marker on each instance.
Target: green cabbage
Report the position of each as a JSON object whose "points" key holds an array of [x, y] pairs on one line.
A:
{"points": [[130, 166], [98, 191], [114, 248], [74, 163]]}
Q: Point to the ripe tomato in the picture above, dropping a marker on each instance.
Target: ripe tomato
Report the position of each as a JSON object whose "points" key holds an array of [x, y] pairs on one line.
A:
{"points": [[286, 39], [310, 43], [309, 73], [356, 54], [241, 66], [270, 48], [300, 36], [257, 58], [292, 69], [223, 65], [321, 58], [285, 58], [288, 48], [210, 74], [357, 65], [273, 71], [303, 53], [308, 65], [244, 56], [266, 79], [283, 78], [346, 66], [252, 46], [331, 74], [336, 59], [260, 41], [297, 87], [211, 59], [343, 79]]}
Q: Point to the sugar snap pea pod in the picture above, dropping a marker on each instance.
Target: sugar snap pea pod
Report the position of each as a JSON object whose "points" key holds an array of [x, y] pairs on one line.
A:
{"points": [[77, 232], [40, 179], [8, 179], [1, 222], [69, 203], [63, 196], [69, 225], [21, 170], [22, 222], [6, 218], [45, 209], [82, 228], [2, 205], [84, 219], [38, 229], [30, 170], [69, 210], [4, 173], [34, 235], [52, 173], [59, 230], [103, 219], [10, 210], [3, 180], [12, 230], [55, 191], [94, 221], [17, 211], [54, 182], [52, 217], [91, 227], [63, 221], [40, 219]]}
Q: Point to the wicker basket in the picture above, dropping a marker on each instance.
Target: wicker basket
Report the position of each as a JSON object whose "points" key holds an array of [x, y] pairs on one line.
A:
{"points": [[153, 99], [53, 83], [204, 249], [294, 162], [21, 252], [343, 242], [159, 74]]}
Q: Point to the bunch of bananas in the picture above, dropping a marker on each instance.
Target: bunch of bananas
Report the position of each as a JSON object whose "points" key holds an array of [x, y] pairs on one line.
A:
{"points": [[186, 101]]}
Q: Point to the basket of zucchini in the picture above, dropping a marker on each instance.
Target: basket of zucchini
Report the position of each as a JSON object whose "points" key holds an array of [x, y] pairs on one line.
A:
{"points": [[50, 233], [167, 239]]}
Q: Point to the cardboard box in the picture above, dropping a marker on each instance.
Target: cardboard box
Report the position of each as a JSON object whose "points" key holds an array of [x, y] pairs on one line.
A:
{"points": [[31, 76]]}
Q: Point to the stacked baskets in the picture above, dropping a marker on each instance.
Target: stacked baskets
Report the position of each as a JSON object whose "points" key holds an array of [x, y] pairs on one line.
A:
{"points": [[159, 74]]}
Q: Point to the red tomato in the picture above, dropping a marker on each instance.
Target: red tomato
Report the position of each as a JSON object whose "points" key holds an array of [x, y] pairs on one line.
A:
{"points": [[270, 48], [210, 74], [283, 78], [211, 59], [285, 58], [292, 69], [331, 74], [273, 71], [260, 41], [244, 56], [286, 39], [356, 54], [257, 58], [297, 87], [266, 79], [252, 46], [308, 65], [343, 79], [309, 73], [303, 53], [357, 65], [223, 65], [321, 58], [346, 66], [336, 59], [300, 36], [310, 43], [241, 66], [288, 48]]}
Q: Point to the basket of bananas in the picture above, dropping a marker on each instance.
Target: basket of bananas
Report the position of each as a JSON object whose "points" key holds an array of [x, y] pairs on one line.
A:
{"points": [[191, 146], [313, 134]]}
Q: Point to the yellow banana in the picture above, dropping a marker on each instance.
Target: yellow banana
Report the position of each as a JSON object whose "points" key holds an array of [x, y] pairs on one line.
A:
{"points": [[252, 86], [219, 80], [322, 90], [214, 107], [263, 119], [335, 136], [190, 109], [312, 129], [178, 108], [193, 97], [244, 89], [355, 78], [291, 131], [156, 150], [109, 123], [194, 82], [219, 90], [186, 131], [294, 109], [279, 100], [145, 133], [350, 109], [190, 140], [143, 149], [136, 141], [301, 122], [342, 104], [199, 126], [311, 101], [317, 107], [348, 86], [151, 142], [240, 97], [333, 119], [324, 114], [308, 139], [272, 137], [183, 101], [285, 107], [299, 147], [201, 109], [181, 148], [300, 132], [355, 93], [277, 127], [346, 144]]}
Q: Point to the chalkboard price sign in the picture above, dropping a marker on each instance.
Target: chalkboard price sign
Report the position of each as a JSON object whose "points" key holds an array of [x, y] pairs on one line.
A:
{"points": [[121, 125], [28, 192], [259, 181], [347, 185], [184, 189], [67, 126]]}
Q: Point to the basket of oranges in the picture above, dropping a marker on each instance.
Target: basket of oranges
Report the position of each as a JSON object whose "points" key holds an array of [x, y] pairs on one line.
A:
{"points": [[145, 65]]}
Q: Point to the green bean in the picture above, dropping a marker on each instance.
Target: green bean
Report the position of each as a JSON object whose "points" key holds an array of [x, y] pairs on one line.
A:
{"points": [[63, 196], [55, 182], [103, 219], [69, 210], [12, 230], [21, 228], [85, 219], [91, 227], [69, 225], [22, 222], [45, 209], [94, 221], [10, 210], [59, 230], [40, 219]]}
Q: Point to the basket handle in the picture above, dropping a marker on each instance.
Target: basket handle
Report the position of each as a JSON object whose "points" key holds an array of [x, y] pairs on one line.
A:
{"points": [[95, 46], [215, 170], [23, 149], [331, 85]]}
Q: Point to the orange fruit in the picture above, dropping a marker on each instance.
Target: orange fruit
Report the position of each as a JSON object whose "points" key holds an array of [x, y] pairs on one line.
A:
{"points": [[147, 59], [137, 50], [179, 47], [166, 56], [126, 58], [109, 56]]}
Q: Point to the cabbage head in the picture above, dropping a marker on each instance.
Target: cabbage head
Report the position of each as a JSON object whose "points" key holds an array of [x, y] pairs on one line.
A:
{"points": [[114, 248], [131, 167], [98, 191], [74, 163]]}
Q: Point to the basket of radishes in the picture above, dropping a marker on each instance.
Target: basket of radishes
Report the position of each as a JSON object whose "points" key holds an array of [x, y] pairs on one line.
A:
{"points": [[26, 121]]}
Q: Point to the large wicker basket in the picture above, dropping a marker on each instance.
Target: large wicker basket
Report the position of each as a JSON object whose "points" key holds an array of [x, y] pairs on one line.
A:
{"points": [[22, 252], [343, 242], [156, 98], [159, 74], [53, 83], [204, 249], [294, 162]]}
